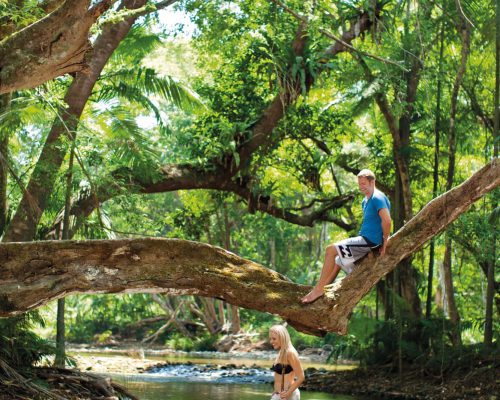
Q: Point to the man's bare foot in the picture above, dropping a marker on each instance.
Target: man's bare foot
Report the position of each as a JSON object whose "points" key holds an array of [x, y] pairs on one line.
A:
{"points": [[312, 296]]}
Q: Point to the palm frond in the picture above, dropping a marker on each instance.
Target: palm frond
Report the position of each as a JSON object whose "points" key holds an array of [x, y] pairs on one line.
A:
{"points": [[129, 83], [128, 145], [135, 95], [138, 44], [364, 96]]}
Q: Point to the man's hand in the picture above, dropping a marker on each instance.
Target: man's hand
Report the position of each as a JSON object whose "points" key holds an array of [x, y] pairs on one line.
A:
{"points": [[384, 245]]}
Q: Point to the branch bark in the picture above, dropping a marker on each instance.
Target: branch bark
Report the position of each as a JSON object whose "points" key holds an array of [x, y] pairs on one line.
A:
{"points": [[35, 273], [53, 46]]}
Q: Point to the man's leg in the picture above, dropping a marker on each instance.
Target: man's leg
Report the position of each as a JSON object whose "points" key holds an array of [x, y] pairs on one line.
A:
{"points": [[329, 272]]}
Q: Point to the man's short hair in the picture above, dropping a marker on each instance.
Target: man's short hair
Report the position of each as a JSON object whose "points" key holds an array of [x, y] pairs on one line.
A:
{"points": [[366, 173]]}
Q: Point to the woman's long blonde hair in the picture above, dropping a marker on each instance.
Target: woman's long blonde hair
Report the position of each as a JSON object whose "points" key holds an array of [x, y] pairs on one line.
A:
{"points": [[285, 342]]}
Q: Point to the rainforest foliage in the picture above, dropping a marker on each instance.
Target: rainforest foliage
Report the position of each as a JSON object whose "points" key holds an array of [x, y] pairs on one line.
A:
{"points": [[242, 124]]}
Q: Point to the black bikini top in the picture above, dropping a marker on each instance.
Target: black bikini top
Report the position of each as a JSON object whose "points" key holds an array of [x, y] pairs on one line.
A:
{"points": [[278, 368]]}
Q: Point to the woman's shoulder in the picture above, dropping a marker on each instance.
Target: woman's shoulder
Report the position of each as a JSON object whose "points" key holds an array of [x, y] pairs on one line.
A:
{"points": [[293, 353]]}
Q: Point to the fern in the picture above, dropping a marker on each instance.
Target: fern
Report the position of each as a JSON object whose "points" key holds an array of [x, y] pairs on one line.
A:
{"points": [[19, 346]]}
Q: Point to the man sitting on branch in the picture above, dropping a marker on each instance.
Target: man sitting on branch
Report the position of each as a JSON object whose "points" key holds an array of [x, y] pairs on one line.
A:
{"points": [[373, 235]]}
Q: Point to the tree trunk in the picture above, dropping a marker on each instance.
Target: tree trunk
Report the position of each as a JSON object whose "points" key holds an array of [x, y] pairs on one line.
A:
{"points": [[384, 297], [210, 314], [60, 358], [439, 296], [204, 309], [272, 252], [449, 294], [163, 328], [220, 310], [165, 305], [235, 319], [402, 210], [4, 164], [61, 327], [401, 135], [490, 293], [435, 173], [485, 266], [407, 281], [451, 306], [233, 310], [430, 278], [35, 273]]}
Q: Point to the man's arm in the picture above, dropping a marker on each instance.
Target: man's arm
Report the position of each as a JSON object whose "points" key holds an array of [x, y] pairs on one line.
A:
{"points": [[386, 227]]}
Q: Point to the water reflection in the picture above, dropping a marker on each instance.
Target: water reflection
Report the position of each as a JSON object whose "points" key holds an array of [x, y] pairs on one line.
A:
{"points": [[159, 390]]}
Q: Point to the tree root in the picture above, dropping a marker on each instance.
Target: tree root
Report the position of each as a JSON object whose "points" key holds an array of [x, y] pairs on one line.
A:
{"points": [[58, 384], [86, 385], [16, 386]]}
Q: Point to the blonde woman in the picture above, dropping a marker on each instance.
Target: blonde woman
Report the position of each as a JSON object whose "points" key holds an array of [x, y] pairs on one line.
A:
{"points": [[288, 372]]}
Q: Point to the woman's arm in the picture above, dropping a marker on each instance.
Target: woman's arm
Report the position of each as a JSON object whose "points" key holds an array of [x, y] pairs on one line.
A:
{"points": [[293, 359]]}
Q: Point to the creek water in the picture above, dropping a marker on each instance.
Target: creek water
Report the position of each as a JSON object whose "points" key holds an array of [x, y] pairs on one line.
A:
{"points": [[214, 379]]}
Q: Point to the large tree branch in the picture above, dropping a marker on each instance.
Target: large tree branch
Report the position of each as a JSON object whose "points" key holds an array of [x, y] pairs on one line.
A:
{"points": [[263, 128], [307, 218], [344, 43], [53, 46], [186, 177], [61, 48], [35, 273], [8, 24], [289, 92]]}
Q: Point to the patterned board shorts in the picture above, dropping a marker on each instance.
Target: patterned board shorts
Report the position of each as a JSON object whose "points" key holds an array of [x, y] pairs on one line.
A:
{"points": [[350, 250]]}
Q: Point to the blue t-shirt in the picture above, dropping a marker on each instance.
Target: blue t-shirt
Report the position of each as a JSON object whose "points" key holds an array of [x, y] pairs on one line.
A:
{"points": [[371, 227]]}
